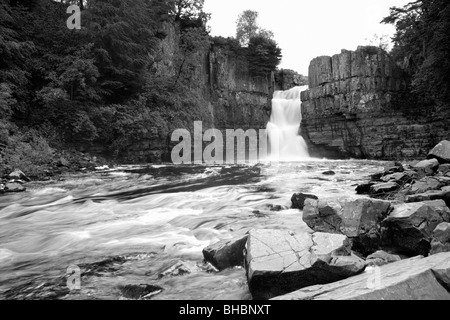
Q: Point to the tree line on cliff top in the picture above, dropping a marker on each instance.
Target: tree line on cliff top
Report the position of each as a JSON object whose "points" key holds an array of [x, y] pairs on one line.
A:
{"points": [[62, 88], [422, 48]]}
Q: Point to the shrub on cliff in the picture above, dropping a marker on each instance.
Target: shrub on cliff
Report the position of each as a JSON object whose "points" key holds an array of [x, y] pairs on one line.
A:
{"points": [[263, 56]]}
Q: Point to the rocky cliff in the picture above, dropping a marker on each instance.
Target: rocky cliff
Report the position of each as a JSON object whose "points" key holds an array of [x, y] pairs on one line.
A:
{"points": [[286, 79], [353, 109], [225, 95]]}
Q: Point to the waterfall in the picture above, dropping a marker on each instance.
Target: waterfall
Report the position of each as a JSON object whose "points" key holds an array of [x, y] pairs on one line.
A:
{"points": [[286, 144]]}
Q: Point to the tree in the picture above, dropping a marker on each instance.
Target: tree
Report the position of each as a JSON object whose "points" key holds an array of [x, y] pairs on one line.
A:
{"points": [[125, 33], [14, 52], [263, 56], [422, 46], [187, 9], [383, 42], [248, 28]]}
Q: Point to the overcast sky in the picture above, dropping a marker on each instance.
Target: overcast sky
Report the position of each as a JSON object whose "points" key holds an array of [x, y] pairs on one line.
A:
{"points": [[305, 29]]}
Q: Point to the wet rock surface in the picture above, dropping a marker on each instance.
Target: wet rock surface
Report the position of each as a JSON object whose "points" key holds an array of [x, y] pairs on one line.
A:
{"points": [[411, 279], [280, 261], [140, 292], [227, 253]]}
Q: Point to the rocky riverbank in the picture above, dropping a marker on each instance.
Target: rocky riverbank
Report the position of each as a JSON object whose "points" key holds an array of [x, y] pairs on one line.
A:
{"points": [[13, 180], [394, 244]]}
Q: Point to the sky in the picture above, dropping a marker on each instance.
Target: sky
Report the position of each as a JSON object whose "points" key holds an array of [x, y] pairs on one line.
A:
{"points": [[305, 29]]}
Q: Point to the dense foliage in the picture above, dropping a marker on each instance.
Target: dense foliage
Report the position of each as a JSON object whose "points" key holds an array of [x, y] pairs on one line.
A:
{"points": [[422, 47], [113, 83], [99, 85]]}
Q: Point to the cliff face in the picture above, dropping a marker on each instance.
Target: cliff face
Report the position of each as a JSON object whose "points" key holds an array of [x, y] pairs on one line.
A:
{"points": [[287, 79], [238, 101], [351, 109], [226, 97]]}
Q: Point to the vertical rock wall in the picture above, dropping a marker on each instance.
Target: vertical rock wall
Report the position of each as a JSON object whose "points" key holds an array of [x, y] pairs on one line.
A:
{"points": [[350, 109]]}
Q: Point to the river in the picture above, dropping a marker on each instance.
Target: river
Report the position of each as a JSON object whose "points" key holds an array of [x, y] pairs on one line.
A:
{"points": [[125, 226]]}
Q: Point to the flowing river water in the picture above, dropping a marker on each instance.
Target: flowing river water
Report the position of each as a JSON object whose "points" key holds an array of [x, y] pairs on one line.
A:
{"points": [[127, 225]]}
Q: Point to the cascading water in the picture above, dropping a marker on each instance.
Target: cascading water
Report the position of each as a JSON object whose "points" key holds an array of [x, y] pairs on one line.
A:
{"points": [[285, 142]]}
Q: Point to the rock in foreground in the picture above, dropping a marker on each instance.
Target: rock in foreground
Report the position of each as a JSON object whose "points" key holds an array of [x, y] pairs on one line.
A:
{"points": [[226, 254], [410, 226], [279, 261], [413, 279], [359, 220]]}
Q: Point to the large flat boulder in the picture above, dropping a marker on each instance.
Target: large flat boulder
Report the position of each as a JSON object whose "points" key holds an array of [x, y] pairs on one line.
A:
{"points": [[410, 226], [412, 279], [227, 253], [280, 261], [360, 220], [441, 152]]}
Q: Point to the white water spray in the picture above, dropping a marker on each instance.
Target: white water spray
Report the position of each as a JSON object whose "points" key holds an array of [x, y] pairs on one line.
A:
{"points": [[285, 141]]}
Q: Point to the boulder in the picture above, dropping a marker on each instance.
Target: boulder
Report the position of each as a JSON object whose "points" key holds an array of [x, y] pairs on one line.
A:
{"points": [[181, 268], [280, 261], [227, 253], [377, 176], [364, 188], [62, 162], [427, 167], [441, 152], [444, 168], [394, 169], [140, 292], [384, 188], [403, 177], [323, 215], [360, 220], [14, 187], [18, 175], [441, 239], [298, 200], [381, 258], [412, 279], [410, 226], [430, 195], [424, 185]]}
